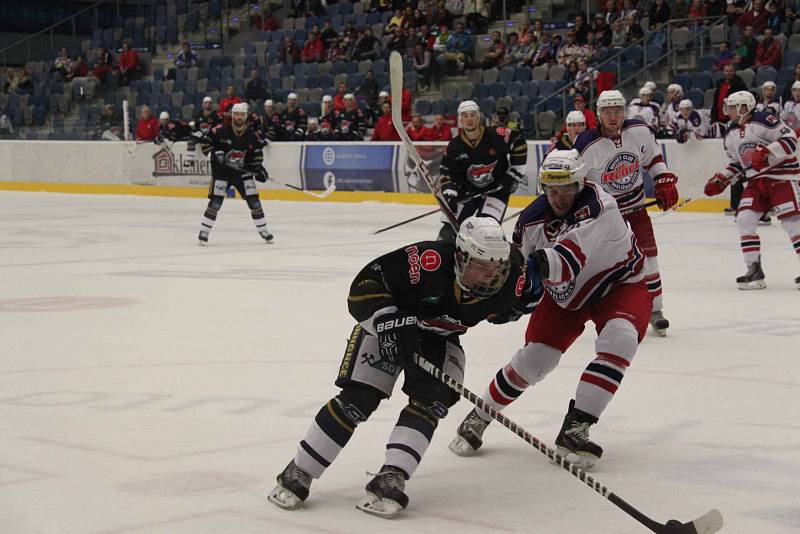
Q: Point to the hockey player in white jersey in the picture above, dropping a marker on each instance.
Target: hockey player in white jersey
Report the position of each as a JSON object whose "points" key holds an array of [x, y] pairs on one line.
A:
{"points": [[769, 100], [645, 109], [764, 149], [790, 114], [617, 153], [587, 259], [688, 125], [669, 111]]}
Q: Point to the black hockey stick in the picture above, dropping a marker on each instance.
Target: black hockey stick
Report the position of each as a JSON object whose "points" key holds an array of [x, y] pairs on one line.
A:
{"points": [[626, 211], [396, 75], [706, 524], [330, 189]]}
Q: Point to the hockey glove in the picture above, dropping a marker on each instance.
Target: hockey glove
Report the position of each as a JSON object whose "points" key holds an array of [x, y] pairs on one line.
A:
{"points": [[665, 190], [760, 158], [516, 178], [398, 338], [260, 174], [538, 267], [218, 156], [451, 197], [716, 184]]}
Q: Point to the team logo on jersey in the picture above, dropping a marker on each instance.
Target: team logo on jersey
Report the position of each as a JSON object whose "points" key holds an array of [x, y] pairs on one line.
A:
{"points": [[746, 152], [379, 363], [430, 260], [561, 292], [520, 287], [583, 213], [480, 174], [621, 173], [235, 158], [413, 264]]}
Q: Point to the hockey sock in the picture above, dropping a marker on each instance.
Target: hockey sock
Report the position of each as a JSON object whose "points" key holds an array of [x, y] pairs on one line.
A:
{"points": [[529, 365], [329, 433], [652, 278], [210, 216], [747, 222], [615, 346], [410, 438], [257, 212], [792, 227]]}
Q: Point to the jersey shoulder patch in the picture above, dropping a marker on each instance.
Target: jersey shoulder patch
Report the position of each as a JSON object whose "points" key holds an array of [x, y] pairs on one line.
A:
{"points": [[586, 138], [766, 118], [630, 123], [588, 205], [536, 211]]}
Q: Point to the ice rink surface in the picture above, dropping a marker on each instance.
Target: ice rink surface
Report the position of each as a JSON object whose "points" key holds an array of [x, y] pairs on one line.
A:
{"points": [[148, 385]]}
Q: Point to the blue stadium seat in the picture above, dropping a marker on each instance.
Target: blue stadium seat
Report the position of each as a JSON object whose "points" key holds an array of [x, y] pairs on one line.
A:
{"points": [[451, 107], [683, 79], [532, 88], [784, 76], [701, 81], [706, 63], [506, 75], [423, 107], [521, 104], [497, 90], [522, 74], [487, 106], [765, 74], [634, 54], [513, 89], [438, 107], [546, 88], [479, 91], [696, 96]]}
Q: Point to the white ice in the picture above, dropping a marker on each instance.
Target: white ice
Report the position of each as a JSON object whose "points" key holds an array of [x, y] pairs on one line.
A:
{"points": [[151, 386]]}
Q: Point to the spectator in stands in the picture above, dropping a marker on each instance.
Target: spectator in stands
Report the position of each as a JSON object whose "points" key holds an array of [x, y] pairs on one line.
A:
{"points": [[338, 99], [729, 84], [129, 68], [629, 10], [747, 47], [395, 22], [756, 17], [787, 89], [423, 66], [440, 131], [735, 9], [6, 128], [580, 105], [330, 38], [186, 57], [416, 130], [269, 23], [584, 77], [456, 49], [24, 85], [545, 51], [602, 31], [398, 41], [581, 30], [633, 30], [103, 64], [698, 10], [525, 35], [425, 38], [367, 47], [79, 69], [516, 53], [478, 15], [227, 103], [618, 35], [609, 12], [775, 17], [456, 7], [148, 127], [289, 51], [62, 63], [384, 129], [660, 13], [337, 51], [313, 49], [443, 16], [502, 119], [555, 43], [768, 52], [369, 89], [494, 55], [255, 88], [383, 96], [725, 56], [571, 73], [571, 51], [405, 105]]}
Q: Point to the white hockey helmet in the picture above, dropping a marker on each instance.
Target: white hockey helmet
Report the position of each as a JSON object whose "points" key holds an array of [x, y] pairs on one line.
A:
{"points": [[645, 90], [651, 85], [769, 84], [796, 85], [291, 96], [563, 167], [208, 99], [675, 87], [268, 103], [163, 115], [482, 256], [575, 117], [468, 105], [685, 104], [739, 99], [241, 107], [609, 99]]}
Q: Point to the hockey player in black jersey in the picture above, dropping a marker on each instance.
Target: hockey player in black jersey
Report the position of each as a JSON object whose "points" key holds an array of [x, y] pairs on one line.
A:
{"points": [[417, 299], [294, 121], [271, 127], [352, 120], [481, 162], [207, 118], [576, 123], [173, 130], [236, 153]]}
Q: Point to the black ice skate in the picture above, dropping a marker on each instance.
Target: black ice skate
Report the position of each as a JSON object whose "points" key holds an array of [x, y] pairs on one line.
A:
{"points": [[265, 235], [729, 211], [573, 441], [292, 488], [385, 497], [202, 239], [765, 220], [469, 435], [797, 282], [754, 279], [659, 323]]}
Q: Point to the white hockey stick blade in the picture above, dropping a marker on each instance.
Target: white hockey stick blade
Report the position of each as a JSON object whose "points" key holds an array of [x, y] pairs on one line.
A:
{"points": [[708, 523], [330, 189]]}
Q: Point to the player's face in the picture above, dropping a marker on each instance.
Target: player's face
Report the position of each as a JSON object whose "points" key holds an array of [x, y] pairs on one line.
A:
{"points": [[769, 92], [561, 197], [239, 120], [574, 129], [685, 112], [796, 95], [469, 120], [645, 98], [483, 278], [611, 118]]}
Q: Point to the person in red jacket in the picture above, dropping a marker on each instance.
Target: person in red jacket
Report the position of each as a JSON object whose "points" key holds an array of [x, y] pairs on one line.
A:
{"points": [[384, 129], [228, 102], [128, 65], [406, 105], [439, 131], [313, 49], [148, 127], [338, 98], [580, 105], [756, 17], [768, 52], [415, 129]]}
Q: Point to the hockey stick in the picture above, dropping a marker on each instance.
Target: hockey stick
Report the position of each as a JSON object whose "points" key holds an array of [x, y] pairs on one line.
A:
{"points": [[396, 75], [330, 189], [626, 211], [706, 524], [418, 217]]}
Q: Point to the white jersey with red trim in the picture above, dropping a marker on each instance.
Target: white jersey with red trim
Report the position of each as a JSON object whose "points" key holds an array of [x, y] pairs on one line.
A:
{"points": [[648, 113], [763, 129], [589, 251], [790, 114], [617, 164]]}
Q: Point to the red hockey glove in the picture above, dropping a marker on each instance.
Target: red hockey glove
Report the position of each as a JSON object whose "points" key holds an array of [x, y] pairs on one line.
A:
{"points": [[666, 190], [716, 184], [760, 158]]}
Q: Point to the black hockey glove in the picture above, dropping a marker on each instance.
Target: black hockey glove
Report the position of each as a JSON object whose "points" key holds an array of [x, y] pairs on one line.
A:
{"points": [[260, 173], [398, 338], [218, 156], [515, 178], [532, 293], [450, 195]]}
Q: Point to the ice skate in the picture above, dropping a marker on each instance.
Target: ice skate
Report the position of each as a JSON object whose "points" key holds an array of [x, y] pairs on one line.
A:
{"points": [[202, 239], [765, 220], [469, 435], [573, 441], [797, 282], [385, 497], [753, 279], [266, 235], [292, 488], [729, 211], [659, 323]]}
